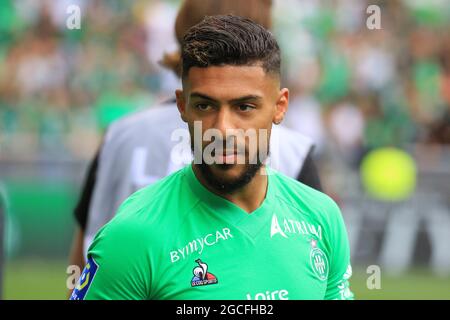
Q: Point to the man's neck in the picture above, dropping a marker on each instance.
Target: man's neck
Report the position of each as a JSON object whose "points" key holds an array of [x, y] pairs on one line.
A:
{"points": [[249, 197]]}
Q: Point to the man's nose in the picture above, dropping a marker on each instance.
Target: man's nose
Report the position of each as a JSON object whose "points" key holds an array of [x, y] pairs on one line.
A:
{"points": [[224, 121]]}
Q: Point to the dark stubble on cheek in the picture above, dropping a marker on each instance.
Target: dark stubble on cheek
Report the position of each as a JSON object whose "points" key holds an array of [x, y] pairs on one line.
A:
{"points": [[229, 186]]}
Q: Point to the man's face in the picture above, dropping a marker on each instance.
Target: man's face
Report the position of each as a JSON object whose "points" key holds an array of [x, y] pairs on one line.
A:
{"points": [[238, 105]]}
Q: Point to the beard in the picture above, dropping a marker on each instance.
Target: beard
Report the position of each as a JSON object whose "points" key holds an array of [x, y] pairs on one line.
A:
{"points": [[226, 186]]}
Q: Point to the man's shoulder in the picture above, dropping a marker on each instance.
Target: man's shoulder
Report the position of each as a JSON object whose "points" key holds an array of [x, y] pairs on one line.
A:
{"points": [[292, 135], [157, 118], [305, 199], [165, 201], [289, 150]]}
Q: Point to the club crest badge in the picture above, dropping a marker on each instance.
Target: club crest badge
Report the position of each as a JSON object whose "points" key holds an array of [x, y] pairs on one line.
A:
{"points": [[319, 261]]}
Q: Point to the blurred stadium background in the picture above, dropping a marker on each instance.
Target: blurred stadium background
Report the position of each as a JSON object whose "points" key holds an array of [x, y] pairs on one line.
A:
{"points": [[376, 102]]}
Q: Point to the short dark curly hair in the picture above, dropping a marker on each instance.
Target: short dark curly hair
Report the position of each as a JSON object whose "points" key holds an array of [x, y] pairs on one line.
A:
{"points": [[229, 40]]}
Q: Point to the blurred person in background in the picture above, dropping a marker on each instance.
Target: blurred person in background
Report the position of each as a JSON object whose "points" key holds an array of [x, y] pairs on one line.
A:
{"points": [[139, 149], [439, 132], [2, 235]]}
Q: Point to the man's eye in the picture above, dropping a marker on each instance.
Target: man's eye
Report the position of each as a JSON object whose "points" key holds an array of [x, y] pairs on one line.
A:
{"points": [[245, 107], [203, 107]]}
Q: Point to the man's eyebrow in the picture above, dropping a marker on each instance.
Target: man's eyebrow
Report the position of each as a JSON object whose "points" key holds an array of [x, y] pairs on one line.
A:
{"points": [[246, 98], [202, 96]]}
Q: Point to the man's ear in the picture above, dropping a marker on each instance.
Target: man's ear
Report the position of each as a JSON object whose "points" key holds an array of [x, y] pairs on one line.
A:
{"points": [[281, 106], [181, 104]]}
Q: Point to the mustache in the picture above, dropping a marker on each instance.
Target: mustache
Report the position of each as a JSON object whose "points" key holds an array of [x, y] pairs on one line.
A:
{"points": [[227, 146]]}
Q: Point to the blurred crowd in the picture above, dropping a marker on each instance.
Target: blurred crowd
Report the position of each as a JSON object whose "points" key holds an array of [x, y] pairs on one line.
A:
{"points": [[365, 88], [61, 87], [352, 88]]}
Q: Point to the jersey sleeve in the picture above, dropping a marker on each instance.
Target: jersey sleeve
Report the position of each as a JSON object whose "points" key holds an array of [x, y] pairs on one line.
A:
{"points": [[117, 266], [309, 174], [104, 190], [82, 208], [338, 286]]}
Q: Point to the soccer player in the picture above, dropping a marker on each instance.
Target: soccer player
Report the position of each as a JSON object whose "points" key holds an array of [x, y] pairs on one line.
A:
{"points": [[138, 149], [227, 228]]}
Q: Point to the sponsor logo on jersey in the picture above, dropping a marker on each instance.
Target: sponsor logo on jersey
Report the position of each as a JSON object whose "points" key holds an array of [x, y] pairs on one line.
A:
{"points": [[343, 285], [269, 295], [85, 281], [201, 275], [198, 245], [289, 226]]}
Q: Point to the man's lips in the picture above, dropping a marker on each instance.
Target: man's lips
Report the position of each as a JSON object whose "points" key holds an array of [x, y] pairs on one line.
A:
{"points": [[227, 152], [229, 157]]}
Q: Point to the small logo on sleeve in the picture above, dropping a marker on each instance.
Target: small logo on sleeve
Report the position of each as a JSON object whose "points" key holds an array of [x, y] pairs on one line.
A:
{"points": [[201, 275], [85, 280], [319, 262]]}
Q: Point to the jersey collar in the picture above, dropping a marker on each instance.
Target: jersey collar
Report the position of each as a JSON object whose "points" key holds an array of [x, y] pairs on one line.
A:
{"points": [[252, 222]]}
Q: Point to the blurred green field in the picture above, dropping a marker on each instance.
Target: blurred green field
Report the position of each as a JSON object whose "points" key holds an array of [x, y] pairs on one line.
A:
{"points": [[36, 279]]}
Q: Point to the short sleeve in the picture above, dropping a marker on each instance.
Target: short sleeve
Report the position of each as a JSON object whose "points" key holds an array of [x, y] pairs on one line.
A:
{"points": [[338, 286], [82, 209], [117, 266]]}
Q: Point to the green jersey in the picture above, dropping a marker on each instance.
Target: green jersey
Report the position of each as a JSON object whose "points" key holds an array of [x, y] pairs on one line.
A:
{"points": [[177, 240]]}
